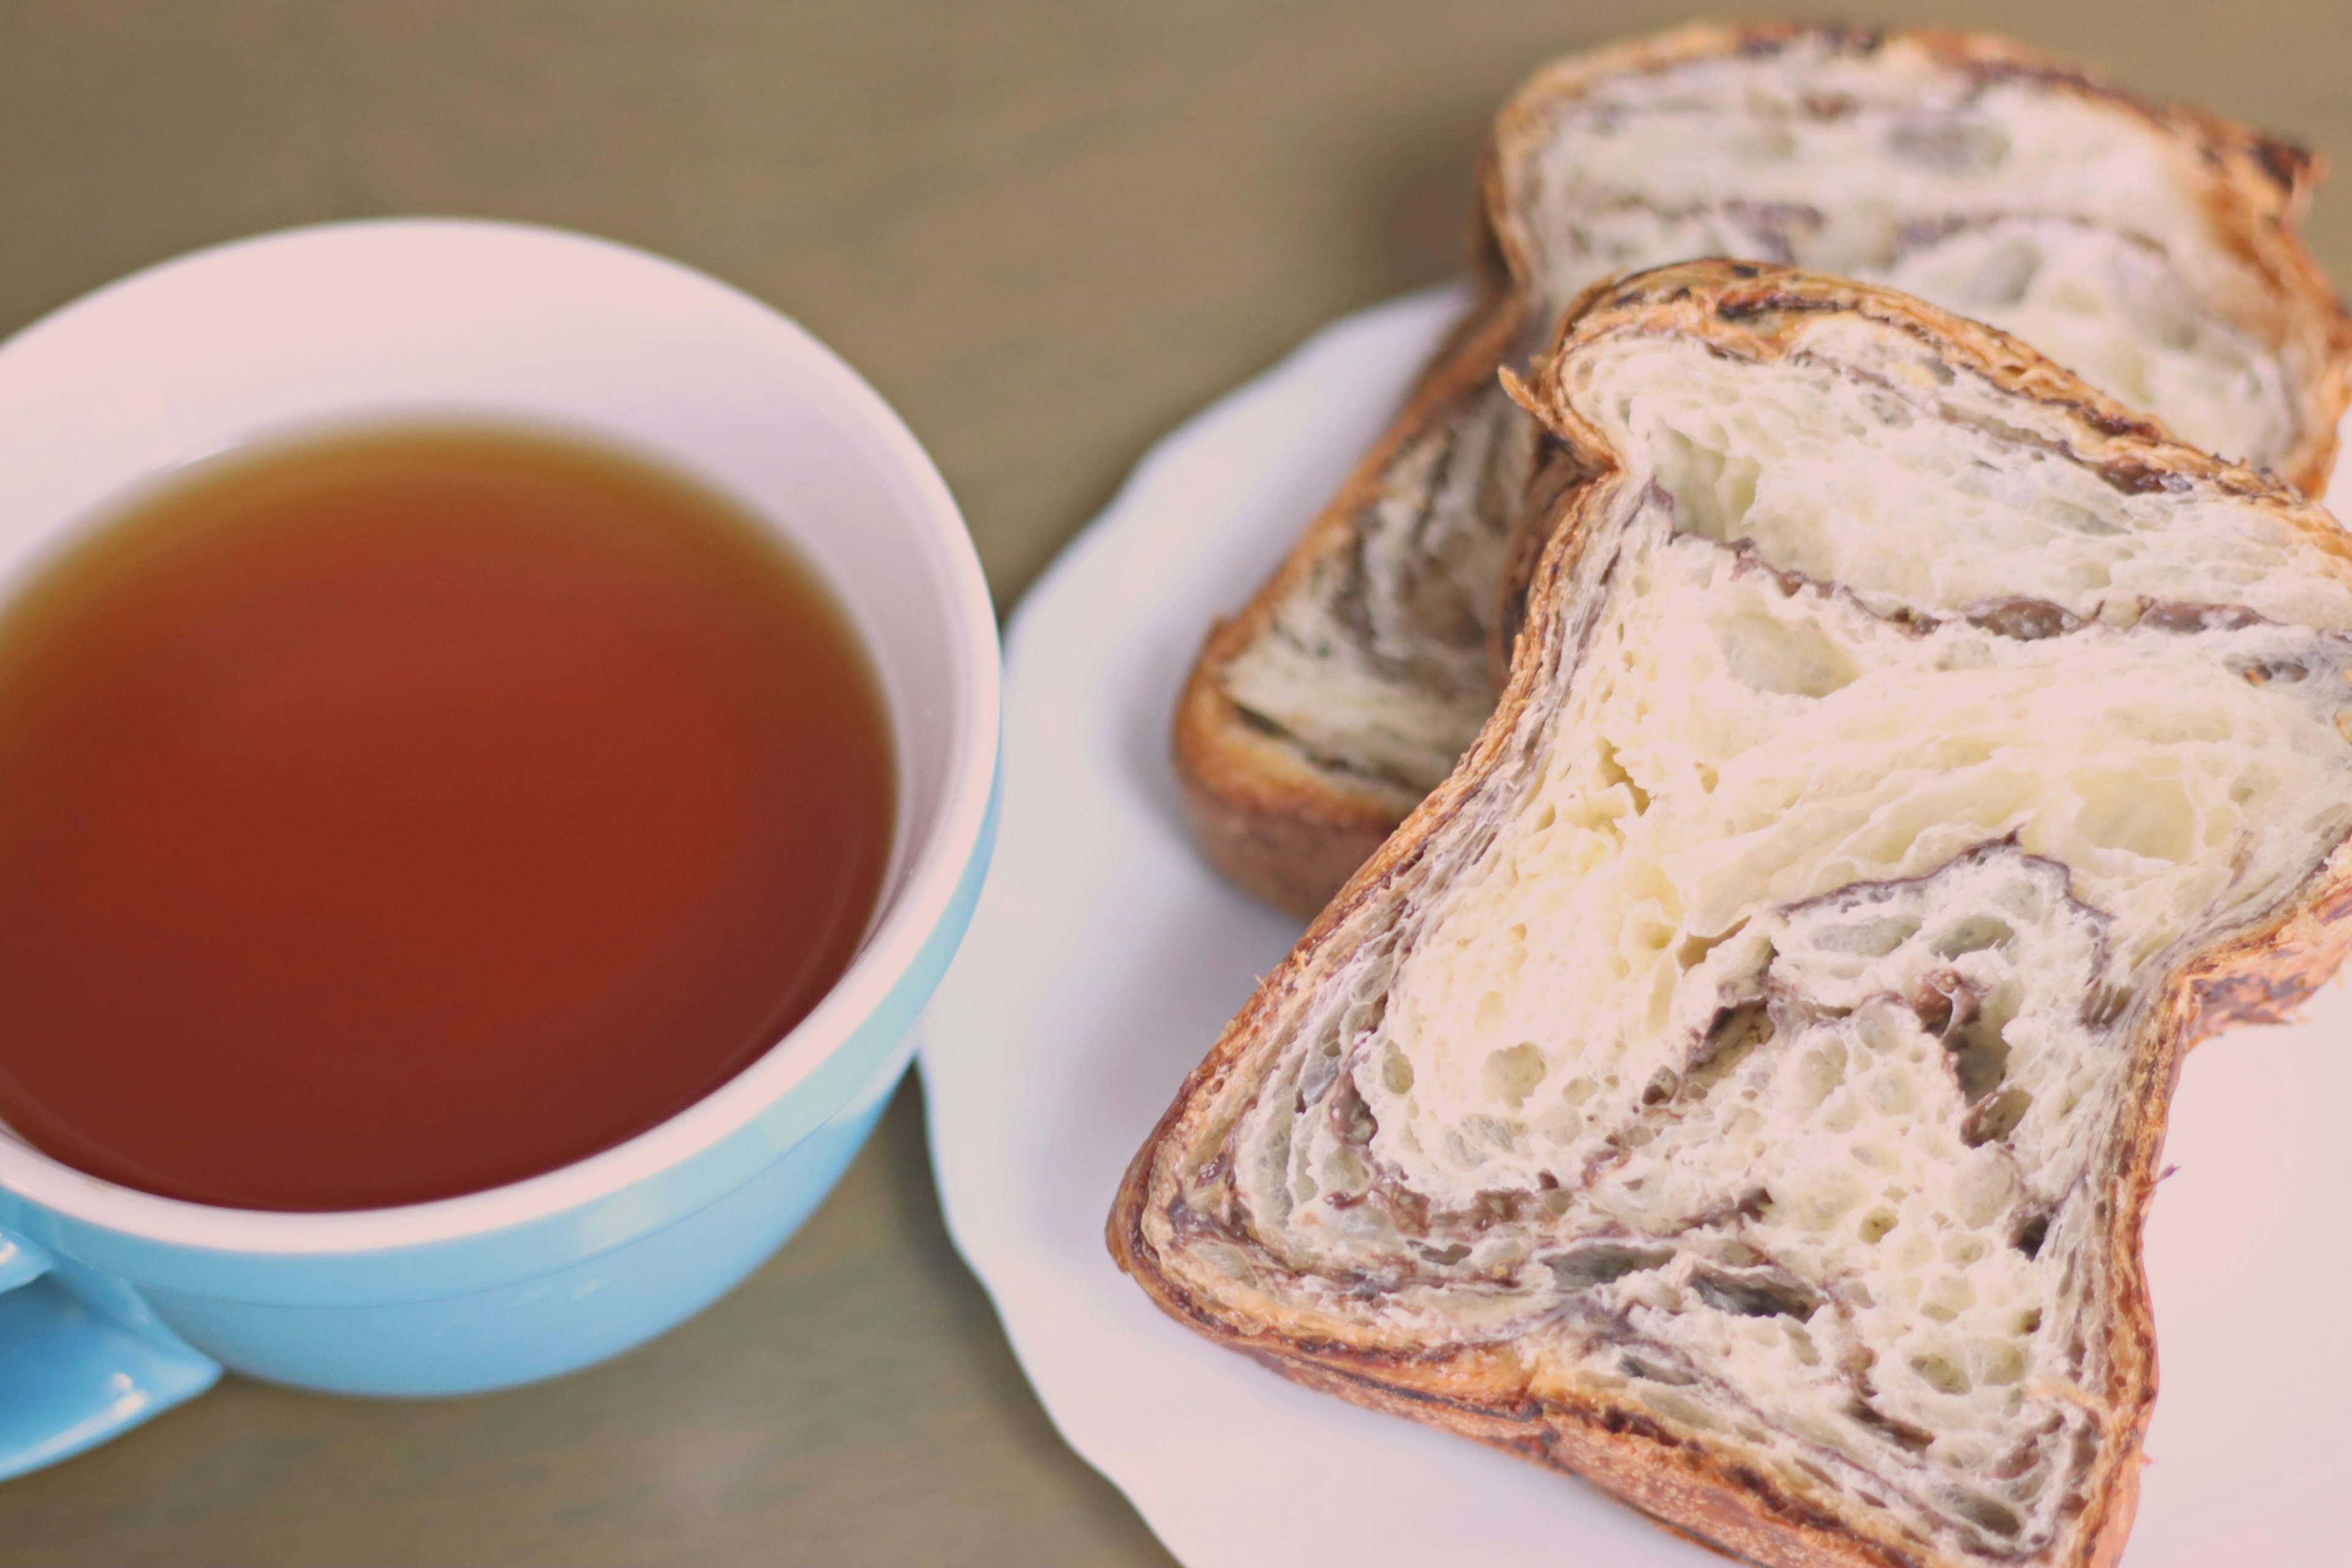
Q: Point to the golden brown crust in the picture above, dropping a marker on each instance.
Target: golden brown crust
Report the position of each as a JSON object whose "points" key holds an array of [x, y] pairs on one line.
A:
{"points": [[1488, 1391], [1289, 831]]}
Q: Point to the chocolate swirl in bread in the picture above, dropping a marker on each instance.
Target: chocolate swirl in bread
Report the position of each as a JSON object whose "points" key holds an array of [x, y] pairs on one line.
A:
{"points": [[1741, 1081], [2151, 250]]}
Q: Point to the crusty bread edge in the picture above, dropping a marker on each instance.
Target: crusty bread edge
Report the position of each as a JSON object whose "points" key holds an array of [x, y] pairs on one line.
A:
{"points": [[1290, 833], [1481, 1391]]}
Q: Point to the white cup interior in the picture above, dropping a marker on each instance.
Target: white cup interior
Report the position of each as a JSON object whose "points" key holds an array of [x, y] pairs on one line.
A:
{"points": [[354, 324]]}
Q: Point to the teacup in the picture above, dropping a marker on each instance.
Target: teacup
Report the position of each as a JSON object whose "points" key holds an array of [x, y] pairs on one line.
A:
{"points": [[119, 1303]]}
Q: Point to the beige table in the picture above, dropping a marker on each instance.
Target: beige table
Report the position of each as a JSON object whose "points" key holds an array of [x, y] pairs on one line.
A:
{"points": [[1046, 232]]}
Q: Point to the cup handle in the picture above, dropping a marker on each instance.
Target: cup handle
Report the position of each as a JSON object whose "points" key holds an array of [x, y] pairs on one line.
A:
{"points": [[81, 1358]]}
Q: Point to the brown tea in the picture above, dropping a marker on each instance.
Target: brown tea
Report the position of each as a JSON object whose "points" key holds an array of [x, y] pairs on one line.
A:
{"points": [[388, 816]]}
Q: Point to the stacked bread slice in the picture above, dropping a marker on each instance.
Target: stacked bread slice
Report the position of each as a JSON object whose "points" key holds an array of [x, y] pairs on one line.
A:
{"points": [[2151, 250], [1741, 1080]]}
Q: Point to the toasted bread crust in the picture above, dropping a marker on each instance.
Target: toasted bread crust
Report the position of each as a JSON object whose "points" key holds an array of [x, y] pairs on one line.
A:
{"points": [[1289, 832], [1486, 1391]]}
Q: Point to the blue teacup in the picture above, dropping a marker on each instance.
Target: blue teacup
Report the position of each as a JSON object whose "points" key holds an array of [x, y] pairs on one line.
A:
{"points": [[117, 1303]]}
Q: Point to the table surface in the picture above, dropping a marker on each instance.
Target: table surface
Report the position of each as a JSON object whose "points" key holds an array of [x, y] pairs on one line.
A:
{"points": [[1045, 231]]}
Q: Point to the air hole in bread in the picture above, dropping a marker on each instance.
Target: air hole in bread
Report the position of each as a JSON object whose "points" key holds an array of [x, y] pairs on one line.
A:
{"points": [[1648, 1372], [1605, 1262], [1986, 1513], [1755, 1297], [1940, 1375], [1513, 1073]]}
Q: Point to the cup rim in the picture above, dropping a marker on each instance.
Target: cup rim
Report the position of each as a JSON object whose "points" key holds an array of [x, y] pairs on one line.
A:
{"points": [[922, 902]]}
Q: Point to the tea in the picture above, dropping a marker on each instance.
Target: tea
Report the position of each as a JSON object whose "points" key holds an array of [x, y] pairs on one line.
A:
{"points": [[390, 816]]}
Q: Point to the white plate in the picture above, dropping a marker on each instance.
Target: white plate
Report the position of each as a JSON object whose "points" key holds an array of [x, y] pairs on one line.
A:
{"points": [[1105, 955]]}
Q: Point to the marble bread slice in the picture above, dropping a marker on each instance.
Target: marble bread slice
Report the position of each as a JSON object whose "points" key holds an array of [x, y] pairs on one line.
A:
{"points": [[2151, 250], [1741, 1081]]}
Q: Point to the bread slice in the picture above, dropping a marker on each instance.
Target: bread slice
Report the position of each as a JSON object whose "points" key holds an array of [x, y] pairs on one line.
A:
{"points": [[2153, 250], [1741, 1081]]}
